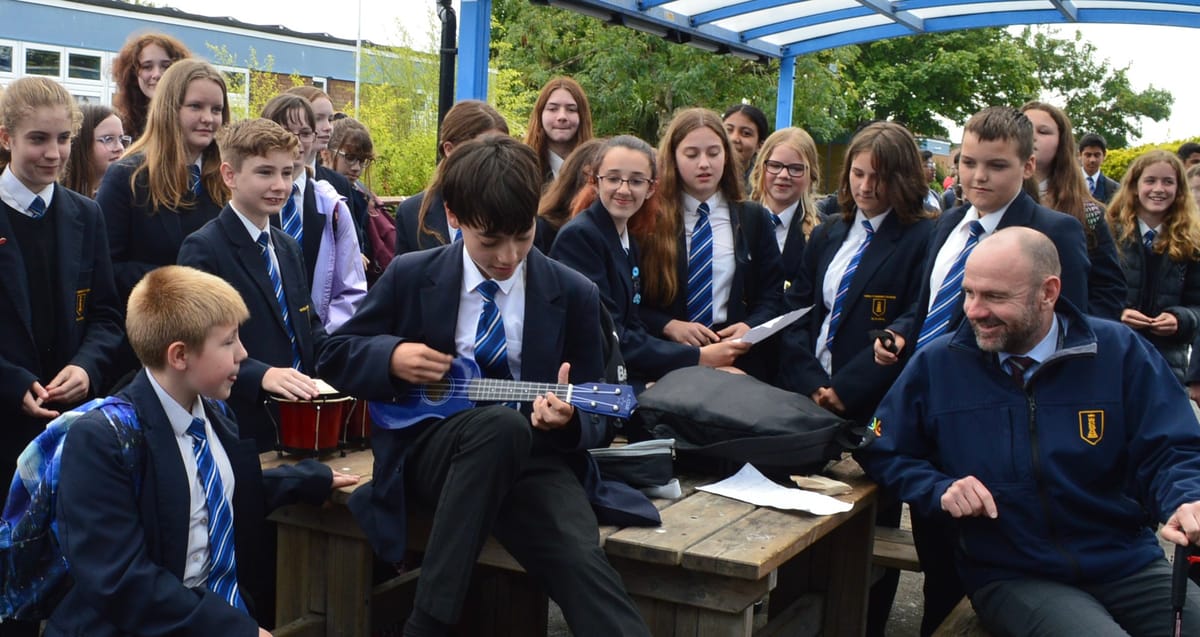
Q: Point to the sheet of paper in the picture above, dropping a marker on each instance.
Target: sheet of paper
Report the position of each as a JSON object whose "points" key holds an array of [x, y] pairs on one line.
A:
{"points": [[764, 331], [748, 485]]}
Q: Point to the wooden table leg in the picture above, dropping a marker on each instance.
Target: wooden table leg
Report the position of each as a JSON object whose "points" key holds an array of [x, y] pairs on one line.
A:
{"points": [[846, 598]]}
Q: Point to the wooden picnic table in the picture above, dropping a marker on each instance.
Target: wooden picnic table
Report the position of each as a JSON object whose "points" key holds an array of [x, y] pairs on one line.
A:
{"points": [[698, 575]]}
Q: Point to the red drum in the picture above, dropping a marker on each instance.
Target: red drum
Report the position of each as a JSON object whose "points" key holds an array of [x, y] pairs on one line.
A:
{"points": [[357, 433], [312, 427]]}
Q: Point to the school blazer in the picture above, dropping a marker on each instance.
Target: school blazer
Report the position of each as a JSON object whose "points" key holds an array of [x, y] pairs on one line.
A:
{"points": [[590, 245], [756, 291], [127, 561], [1063, 229], [224, 248], [882, 289], [1106, 188], [416, 299], [140, 237], [90, 326], [314, 229], [409, 238], [792, 257]]}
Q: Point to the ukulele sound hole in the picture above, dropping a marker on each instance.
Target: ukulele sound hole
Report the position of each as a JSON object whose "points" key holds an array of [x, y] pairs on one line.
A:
{"points": [[435, 393]]}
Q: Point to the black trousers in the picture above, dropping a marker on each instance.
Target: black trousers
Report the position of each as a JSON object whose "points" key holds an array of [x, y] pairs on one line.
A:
{"points": [[487, 471], [935, 539]]}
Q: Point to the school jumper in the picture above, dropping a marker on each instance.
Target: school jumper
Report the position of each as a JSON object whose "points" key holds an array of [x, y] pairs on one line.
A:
{"points": [[66, 312], [474, 460], [590, 245], [226, 249], [126, 537]]}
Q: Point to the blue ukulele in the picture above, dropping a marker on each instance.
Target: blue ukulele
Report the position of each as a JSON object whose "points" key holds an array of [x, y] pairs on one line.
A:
{"points": [[464, 386]]}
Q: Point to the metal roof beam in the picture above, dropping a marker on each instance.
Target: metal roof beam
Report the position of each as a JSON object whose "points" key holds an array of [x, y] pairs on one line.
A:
{"points": [[1067, 8], [737, 9], [885, 8], [806, 21]]}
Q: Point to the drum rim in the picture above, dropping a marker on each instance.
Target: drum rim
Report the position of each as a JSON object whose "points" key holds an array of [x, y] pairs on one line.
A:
{"points": [[328, 398]]}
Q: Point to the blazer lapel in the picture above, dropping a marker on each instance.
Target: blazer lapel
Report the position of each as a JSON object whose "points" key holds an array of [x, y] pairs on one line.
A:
{"points": [[604, 223], [439, 299], [250, 257], [544, 316], [882, 245], [314, 225], [296, 292], [70, 253], [793, 246], [15, 280]]}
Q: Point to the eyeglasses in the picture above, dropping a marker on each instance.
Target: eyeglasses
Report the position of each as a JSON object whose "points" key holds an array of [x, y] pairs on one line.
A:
{"points": [[115, 141], [615, 181], [795, 170], [306, 135], [356, 159]]}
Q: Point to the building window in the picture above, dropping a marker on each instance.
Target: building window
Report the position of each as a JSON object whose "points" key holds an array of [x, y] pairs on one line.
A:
{"points": [[237, 87], [320, 83], [6, 58], [42, 62], [83, 67]]}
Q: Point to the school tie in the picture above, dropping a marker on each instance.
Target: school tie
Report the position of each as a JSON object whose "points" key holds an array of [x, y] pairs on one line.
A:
{"points": [[844, 285], [1017, 366], [37, 207], [222, 563], [1091, 184], [776, 220], [700, 258], [292, 223], [458, 234], [1148, 239], [938, 319], [264, 243], [491, 348], [194, 182]]}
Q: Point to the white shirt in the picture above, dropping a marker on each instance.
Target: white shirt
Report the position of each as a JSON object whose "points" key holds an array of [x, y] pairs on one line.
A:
{"points": [[781, 230], [957, 241], [254, 231], [1143, 228], [833, 278], [301, 182], [17, 196], [195, 567], [510, 300], [556, 162], [724, 260]]}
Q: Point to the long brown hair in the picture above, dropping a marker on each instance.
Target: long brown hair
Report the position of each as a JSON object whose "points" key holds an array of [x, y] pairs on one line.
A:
{"points": [[465, 121], [166, 162], [80, 173], [129, 101], [659, 248], [535, 135], [1180, 236], [802, 143], [556, 205], [898, 162], [1066, 191]]}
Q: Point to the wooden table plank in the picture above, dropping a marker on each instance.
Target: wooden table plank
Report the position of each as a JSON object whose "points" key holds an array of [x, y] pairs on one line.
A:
{"points": [[756, 544], [684, 523]]}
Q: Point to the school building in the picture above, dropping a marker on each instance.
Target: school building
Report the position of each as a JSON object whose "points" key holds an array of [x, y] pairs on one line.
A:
{"points": [[75, 41]]}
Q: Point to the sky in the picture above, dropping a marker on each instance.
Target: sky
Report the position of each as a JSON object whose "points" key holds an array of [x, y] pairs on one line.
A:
{"points": [[1150, 52]]}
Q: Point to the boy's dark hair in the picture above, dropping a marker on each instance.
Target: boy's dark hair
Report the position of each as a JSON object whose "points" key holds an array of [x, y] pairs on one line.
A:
{"points": [[1003, 123], [492, 185], [1092, 139], [1187, 150], [926, 155]]}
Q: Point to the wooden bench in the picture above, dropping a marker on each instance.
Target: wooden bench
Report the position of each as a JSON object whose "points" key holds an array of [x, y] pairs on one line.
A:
{"points": [[698, 575], [894, 549], [961, 622]]}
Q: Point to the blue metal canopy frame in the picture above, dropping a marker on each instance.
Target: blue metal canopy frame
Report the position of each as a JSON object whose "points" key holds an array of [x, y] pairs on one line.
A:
{"points": [[784, 29]]}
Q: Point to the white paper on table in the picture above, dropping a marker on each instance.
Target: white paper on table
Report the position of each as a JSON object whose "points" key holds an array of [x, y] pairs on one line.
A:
{"points": [[764, 331], [748, 485]]}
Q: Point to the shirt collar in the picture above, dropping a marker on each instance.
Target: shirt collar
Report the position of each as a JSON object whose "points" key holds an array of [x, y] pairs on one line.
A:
{"points": [[1095, 177], [17, 195], [875, 221], [1143, 228], [788, 213], [691, 203], [301, 183], [1045, 347], [472, 277], [179, 417], [556, 162], [989, 222], [250, 227]]}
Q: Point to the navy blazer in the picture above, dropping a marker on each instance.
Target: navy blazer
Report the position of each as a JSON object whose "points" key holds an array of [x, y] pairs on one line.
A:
{"points": [[756, 292], [416, 299], [1106, 188], [90, 325], [224, 248], [1064, 230], [882, 289], [589, 243], [408, 236], [1106, 278], [142, 238], [792, 257], [127, 547], [314, 228]]}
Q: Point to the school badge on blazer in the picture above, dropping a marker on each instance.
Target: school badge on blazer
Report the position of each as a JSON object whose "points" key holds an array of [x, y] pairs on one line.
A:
{"points": [[1091, 426], [879, 305], [81, 303]]}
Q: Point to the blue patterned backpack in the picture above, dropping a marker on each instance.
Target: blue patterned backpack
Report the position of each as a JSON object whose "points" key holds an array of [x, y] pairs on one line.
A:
{"points": [[33, 566]]}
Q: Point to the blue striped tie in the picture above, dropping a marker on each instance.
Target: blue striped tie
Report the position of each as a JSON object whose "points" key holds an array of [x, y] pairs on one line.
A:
{"points": [[290, 217], [1147, 239], [844, 285], [938, 319], [222, 563], [776, 220], [194, 182], [264, 243], [458, 234], [37, 207], [700, 261], [491, 348]]}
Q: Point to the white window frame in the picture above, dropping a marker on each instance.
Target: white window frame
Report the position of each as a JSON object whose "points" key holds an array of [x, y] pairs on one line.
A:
{"points": [[239, 102]]}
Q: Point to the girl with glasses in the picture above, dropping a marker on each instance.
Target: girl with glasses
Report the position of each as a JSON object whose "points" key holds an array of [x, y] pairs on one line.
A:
{"points": [[100, 142], [618, 201], [351, 151], [784, 178], [317, 217], [712, 265]]}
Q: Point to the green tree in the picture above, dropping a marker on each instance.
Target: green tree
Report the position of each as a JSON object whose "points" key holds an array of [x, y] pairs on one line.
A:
{"points": [[1096, 95]]}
